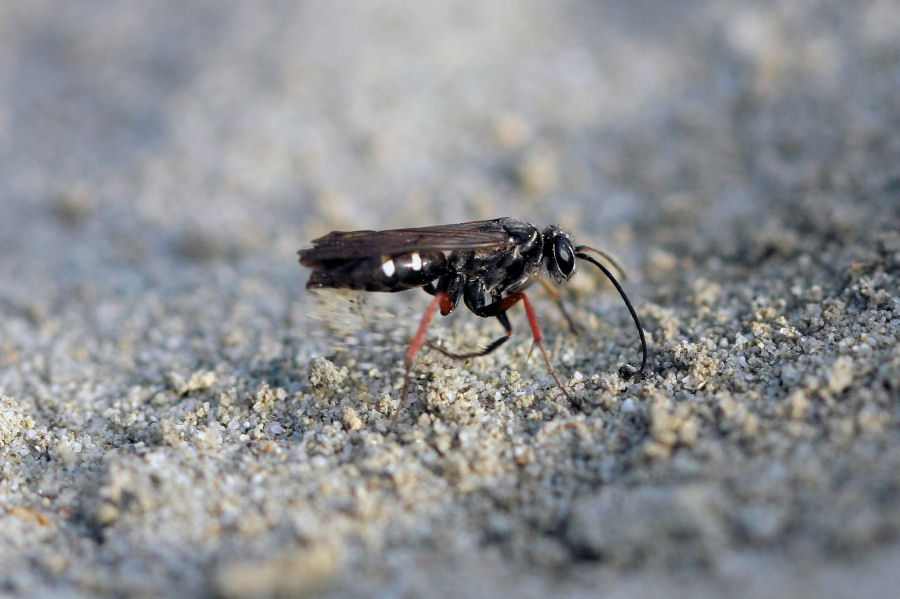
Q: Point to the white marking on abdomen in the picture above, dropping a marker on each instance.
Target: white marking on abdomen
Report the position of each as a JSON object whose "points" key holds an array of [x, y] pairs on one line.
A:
{"points": [[416, 261], [388, 267]]}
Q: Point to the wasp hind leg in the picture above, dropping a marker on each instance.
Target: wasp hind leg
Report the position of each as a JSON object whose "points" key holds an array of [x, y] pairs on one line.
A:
{"points": [[441, 300]]}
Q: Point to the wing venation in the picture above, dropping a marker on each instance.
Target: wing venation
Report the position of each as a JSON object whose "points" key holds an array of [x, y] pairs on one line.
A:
{"points": [[359, 244]]}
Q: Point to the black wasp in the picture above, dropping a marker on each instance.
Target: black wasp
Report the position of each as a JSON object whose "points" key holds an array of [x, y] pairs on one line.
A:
{"points": [[487, 263]]}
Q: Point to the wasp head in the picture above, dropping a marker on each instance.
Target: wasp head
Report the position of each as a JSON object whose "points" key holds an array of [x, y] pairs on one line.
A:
{"points": [[559, 254]]}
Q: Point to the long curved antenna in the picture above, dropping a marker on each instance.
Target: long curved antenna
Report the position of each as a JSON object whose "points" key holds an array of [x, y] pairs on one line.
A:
{"points": [[619, 270], [637, 321]]}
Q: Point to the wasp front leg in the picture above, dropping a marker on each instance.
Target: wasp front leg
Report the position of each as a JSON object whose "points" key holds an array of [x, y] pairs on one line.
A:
{"points": [[574, 327]]}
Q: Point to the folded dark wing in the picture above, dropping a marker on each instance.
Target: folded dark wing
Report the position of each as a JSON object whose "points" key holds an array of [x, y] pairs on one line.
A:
{"points": [[339, 245]]}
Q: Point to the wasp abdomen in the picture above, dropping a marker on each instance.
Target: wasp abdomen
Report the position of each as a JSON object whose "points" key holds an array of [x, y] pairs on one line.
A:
{"points": [[381, 273]]}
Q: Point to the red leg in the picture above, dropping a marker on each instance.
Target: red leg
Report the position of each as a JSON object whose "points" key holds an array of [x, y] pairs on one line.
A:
{"points": [[557, 297], [442, 300], [535, 332]]}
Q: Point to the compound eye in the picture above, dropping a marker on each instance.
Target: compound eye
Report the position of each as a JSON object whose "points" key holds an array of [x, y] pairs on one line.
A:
{"points": [[565, 256]]}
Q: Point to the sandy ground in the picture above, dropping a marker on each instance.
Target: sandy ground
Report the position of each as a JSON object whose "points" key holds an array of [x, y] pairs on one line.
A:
{"points": [[179, 417]]}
